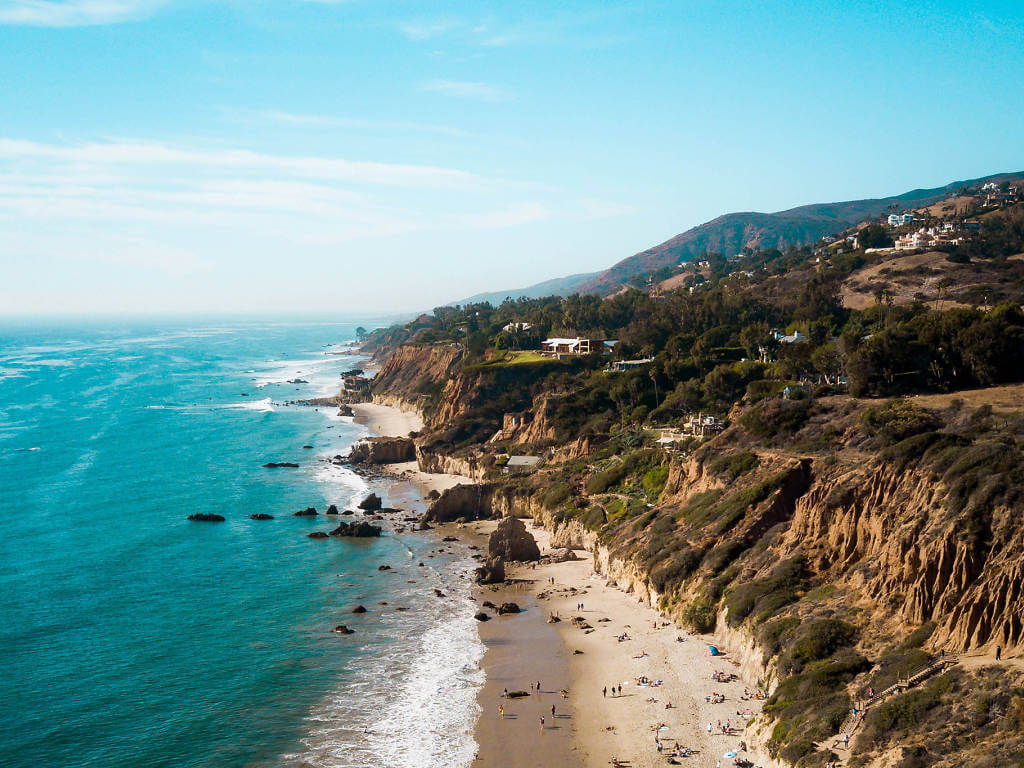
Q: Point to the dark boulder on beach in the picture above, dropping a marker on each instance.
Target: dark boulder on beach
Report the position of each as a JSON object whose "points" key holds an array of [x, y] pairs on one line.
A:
{"points": [[359, 609], [489, 604], [439, 593], [449, 538], [261, 516], [511, 541], [508, 608], [491, 572], [341, 629], [425, 526], [481, 616], [206, 517], [345, 410], [434, 494], [371, 502], [360, 530], [471, 502], [332, 510], [280, 464], [317, 535], [307, 512]]}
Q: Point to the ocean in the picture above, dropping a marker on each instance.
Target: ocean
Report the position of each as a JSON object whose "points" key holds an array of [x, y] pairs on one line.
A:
{"points": [[133, 637]]}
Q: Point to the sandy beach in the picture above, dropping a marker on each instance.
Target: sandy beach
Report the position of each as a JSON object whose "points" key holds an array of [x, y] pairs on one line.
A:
{"points": [[583, 654], [605, 726]]}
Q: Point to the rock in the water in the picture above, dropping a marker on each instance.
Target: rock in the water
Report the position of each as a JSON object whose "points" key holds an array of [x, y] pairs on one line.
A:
{"points": [[307, 512], [508, 608], [332, 510], [261, 516], [206, 517], [348, 512], [491, 572], [511, 541], [317, 535], [360, 530], [481, 616], [280, 464], [439, 593], [383, 567], [371, 502], [307, 447], [341, 629], [359, 609]]}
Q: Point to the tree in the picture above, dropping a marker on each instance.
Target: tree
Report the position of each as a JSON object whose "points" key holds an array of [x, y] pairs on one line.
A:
{"points": [[360, 333], [874, 236]]}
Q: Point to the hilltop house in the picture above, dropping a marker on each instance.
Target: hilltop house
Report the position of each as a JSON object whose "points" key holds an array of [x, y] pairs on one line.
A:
{"points": [[574, 347], [899, 219], [794, 338]]}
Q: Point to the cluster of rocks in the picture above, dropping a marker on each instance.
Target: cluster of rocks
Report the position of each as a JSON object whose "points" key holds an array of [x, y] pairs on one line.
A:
{"points": [[206, 517], [280, 464]]}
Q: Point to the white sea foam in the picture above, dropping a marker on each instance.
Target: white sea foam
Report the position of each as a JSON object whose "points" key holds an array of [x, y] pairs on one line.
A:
{"points": [[263, 406], [416, 695]]}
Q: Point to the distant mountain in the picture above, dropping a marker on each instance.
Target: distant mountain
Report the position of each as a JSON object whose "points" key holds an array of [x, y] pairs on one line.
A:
{"points": [[807, 224], [559, 286], [732, 232]]}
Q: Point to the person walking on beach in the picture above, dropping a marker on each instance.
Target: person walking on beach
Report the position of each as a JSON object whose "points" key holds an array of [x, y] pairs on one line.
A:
{"points": [[604, 691], [538, 686], [552, 713], [501, 711], [542, 723]]}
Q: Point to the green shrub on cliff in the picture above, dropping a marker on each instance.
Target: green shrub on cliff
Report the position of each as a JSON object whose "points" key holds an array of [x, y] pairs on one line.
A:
{"points": [[898, 419], [767, 595], [699, 615], [732, 465]]}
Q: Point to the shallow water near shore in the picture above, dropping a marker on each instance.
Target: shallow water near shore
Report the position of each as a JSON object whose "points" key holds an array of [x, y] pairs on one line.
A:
{"points": [[134, 637]]}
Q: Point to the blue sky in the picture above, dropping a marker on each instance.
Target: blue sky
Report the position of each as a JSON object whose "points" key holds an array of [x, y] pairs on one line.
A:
{"points": [[311, 155]]}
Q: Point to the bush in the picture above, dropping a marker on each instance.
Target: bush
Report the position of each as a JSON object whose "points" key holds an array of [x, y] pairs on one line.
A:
{"points": [[766, 595], [899, 419], [555, 496], [776, 417], [654, 481], [732, 465], [816, 640], [699, 615], [675, 570], [593, 519]]}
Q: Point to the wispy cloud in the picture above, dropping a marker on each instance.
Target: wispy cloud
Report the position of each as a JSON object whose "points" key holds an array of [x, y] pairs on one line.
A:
{"points": [[74, 13], [141, 154], [425, 30], [465, 89], [333, 121]]}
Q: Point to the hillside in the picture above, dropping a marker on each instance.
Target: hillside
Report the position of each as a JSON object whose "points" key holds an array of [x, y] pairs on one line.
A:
{"points": [[731, 233], [792, 228], [559, 286]]}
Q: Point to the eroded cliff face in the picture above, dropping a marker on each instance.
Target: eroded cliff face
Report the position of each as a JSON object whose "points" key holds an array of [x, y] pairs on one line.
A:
{"points": [[413, 372]]}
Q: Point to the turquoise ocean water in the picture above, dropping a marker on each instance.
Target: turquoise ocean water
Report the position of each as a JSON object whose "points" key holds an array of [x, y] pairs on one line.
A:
{"points": [[132, 637]]}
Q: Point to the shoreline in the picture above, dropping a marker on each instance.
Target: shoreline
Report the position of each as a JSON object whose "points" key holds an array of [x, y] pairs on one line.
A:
{"points": [[584, 657]]}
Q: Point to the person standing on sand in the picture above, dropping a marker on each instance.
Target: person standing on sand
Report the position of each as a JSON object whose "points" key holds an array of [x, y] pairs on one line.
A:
{"points": [[552, 713], [501, 711], [542, 723], [604, 691], [538, 686]]}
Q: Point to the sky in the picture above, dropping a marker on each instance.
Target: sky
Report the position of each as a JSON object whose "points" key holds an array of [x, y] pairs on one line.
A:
{"points": [[255, 156]]}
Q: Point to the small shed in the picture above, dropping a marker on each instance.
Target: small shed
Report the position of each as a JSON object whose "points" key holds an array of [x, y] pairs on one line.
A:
{"points": [[518, 465]]}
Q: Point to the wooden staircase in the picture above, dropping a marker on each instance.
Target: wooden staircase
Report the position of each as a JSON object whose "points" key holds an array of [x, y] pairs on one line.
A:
{"points": [[855, 719]]}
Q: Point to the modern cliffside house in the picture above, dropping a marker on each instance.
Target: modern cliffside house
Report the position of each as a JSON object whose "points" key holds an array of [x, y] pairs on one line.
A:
{"points": [[516, 327], [575, 347], [899, 219]]}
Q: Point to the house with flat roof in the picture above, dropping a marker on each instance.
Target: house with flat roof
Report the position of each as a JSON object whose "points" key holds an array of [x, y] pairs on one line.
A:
{"points": [[572, 347], [520, 465]]}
